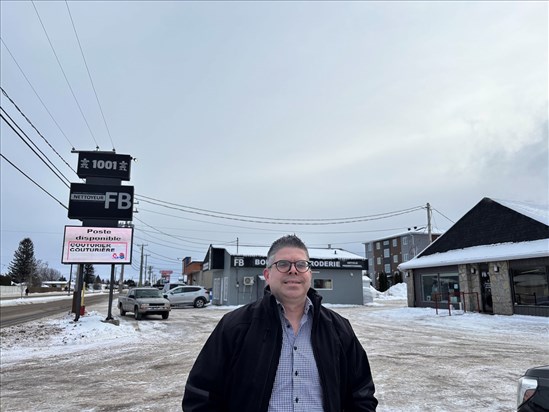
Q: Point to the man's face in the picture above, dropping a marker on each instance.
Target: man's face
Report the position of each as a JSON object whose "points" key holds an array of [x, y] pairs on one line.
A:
{"points": [[290, 287]]}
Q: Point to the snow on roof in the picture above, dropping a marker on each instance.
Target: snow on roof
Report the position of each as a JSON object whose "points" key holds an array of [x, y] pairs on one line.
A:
{"points": [[536, 212], [408, 233], [486, 253], [313, 252]]}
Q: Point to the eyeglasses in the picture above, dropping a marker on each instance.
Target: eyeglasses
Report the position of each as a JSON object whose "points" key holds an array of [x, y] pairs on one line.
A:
{"points": [[284, 266]]}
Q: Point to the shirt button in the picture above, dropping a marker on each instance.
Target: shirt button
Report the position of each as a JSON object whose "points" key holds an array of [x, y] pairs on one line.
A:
{"points": [[295, 347], [296, 373], [296, 400]]}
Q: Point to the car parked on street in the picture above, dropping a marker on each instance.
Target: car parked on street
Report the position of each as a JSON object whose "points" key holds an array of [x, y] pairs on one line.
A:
{"points": [[188, 295], [533, 390]]}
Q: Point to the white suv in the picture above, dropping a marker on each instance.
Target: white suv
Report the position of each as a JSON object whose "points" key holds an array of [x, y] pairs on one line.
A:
{"points": [[196, 296]]}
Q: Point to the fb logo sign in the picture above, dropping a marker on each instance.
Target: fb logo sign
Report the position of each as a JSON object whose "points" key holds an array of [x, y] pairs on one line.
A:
{"points": [[123, 200], [238, 262]]}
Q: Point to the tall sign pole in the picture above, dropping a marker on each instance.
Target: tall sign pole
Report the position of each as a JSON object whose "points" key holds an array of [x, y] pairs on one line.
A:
{"points": [[100, 204], [109, 314]]}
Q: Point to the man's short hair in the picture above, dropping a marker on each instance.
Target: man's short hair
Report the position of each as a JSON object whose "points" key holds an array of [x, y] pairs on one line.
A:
{"points": [[285, 241]]}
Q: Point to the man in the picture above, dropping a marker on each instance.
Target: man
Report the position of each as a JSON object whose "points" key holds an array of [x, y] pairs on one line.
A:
{"points": [[284, 352]]}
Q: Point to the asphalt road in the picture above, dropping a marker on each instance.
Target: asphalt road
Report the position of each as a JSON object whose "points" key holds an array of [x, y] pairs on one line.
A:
{"points": [[17, 314]]}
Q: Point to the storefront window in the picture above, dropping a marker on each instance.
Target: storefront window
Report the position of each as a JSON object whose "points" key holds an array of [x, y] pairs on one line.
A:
{"points": [[531, 286], [322, 283], [443, 287]]}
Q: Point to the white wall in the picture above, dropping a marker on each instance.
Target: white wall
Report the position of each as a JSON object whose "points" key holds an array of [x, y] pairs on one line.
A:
{"points": [[11, 290]]}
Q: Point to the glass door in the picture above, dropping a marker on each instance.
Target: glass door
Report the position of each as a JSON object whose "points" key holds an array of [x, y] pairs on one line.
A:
{"points": [[486, 290]]}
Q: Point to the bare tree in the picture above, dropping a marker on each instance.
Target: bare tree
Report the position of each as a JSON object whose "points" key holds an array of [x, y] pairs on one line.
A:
{"points": [[45, 273]]}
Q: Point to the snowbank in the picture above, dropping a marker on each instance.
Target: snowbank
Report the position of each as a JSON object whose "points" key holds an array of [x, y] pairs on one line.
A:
{"points": [[395, 292]]}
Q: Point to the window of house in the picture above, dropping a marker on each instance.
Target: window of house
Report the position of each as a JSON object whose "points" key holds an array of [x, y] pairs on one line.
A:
{"points": [[395, 258], [378, 260], [385, 243], [443, 287], [386, 253], [405, 257], [404, 241], [378, 245], [395, 243], [531, 286], [369, 247], [322, 284], [387, 268]]}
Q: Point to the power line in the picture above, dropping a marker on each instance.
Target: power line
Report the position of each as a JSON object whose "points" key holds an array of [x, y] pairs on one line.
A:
{"points": [[204, 221], [65, 76], [28, 177], [147, 239], [34, 151], [34, 127], [89, 76], [150, 199], [199, 241], [443, 215], [36, 93], [276, 221], [149, 235]]}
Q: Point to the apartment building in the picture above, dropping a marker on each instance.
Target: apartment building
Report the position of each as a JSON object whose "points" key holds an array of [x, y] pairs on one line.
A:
{"points": [[385, 254]]}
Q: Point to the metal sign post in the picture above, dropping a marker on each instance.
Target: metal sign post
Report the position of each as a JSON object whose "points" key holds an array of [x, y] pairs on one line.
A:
{"points": [[100, 204], [109, 315]]}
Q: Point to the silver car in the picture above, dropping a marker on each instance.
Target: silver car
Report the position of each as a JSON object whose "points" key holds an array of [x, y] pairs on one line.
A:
{"points": [[196, 296]]}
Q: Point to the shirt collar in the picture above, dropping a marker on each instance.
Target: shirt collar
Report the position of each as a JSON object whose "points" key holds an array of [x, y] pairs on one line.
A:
{"points": [[308, 306]]}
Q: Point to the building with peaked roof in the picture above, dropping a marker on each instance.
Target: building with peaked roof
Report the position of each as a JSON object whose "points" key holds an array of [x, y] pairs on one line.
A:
{"points": [[237, 274], [494, 259]]}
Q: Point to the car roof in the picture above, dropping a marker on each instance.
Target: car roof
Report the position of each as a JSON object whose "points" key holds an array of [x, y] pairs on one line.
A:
{"points": [[188, 286]]}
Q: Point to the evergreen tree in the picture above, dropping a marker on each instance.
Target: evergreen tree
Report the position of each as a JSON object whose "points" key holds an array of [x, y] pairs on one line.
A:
{"points": [[89, 274], [397, 277], [97, 283], [383, 282], [23, 266]]}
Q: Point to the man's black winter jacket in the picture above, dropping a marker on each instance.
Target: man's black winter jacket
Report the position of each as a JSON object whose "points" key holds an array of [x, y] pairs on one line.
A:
{"points": [[236, 369]]}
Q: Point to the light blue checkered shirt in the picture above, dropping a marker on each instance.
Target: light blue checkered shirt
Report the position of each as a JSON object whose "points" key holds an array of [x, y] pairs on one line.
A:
{"points": [[297, 383]]}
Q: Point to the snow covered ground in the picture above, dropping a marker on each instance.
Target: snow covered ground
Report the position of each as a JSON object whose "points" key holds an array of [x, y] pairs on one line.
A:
{"points": [[420, 361]]}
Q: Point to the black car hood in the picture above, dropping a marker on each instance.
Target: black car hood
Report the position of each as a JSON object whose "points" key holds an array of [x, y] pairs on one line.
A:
{"points": [[539, 372]]}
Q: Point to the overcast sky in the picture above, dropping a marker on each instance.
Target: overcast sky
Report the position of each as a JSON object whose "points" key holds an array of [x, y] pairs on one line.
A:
{"points": [[290, 110]]}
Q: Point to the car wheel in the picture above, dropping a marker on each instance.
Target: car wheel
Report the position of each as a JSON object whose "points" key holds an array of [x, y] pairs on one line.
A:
{"points": [[136, 313], [165, 315], [122, 311], [199, 303]]}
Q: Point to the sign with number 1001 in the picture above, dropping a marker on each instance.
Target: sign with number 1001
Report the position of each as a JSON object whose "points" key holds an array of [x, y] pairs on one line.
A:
{"points": [[104, 164]]}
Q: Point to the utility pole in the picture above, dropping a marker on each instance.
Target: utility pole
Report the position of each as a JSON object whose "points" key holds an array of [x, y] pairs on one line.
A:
{"points": [[121, 280], [429, 231], [141, 267], [146, 267]]}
